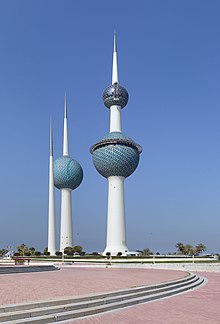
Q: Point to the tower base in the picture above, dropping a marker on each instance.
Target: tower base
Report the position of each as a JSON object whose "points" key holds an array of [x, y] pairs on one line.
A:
{"points": [[117, 251], [66, 232], [116, 232]]}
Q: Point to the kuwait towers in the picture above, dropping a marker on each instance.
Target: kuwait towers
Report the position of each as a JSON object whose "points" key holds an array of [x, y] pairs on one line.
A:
{"points": [[115, 157], [67, 175]]}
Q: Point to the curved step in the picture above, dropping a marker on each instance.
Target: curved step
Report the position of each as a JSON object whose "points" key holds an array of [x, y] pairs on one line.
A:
{"points": [[69, 308], [26, 269]]}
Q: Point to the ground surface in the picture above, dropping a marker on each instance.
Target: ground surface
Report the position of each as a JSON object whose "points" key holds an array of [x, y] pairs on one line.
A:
{"points": [[199, 306], [73, 281]]}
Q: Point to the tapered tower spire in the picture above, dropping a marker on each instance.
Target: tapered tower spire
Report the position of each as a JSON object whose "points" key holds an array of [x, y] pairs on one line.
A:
{"points": [[51, 202], [115, 97], [115, 63], [51, 137], [65, 131]]}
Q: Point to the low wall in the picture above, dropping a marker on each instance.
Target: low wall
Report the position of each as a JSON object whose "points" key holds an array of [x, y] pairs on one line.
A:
{"points": [[204, 267]]}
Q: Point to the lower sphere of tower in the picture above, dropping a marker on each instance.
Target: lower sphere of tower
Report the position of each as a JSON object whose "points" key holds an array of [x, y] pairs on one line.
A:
{"points": [[67, 173], [116, 155]]}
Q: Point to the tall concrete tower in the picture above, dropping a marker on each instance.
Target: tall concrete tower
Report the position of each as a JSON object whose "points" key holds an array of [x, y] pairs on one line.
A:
{"points": [[51, 205], [68, 175], [115, 157]]}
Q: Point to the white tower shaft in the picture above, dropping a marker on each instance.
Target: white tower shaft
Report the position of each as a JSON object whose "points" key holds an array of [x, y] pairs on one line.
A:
{"points": [[66, 233], [66, 228], [116, 233], [51, 203], [115, 118], [65, 131]]}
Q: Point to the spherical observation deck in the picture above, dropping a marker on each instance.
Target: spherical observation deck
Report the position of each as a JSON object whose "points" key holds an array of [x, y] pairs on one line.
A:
{"points": [[116, 155], [67, 173], [115, 94]]}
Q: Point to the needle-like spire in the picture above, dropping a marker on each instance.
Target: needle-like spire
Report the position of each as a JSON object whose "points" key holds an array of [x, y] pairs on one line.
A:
{"points": [[115, 64], [65, 109], [65, 130], [51, 136], [115, 45], [51, 200]]}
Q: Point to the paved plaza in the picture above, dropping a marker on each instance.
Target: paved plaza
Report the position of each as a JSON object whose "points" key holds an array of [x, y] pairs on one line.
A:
{"points": [[201, 306], [198, 306]]}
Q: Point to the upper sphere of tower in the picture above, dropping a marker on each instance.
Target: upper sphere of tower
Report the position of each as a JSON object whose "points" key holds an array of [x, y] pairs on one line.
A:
{"points": [[116, 155], [67, 173], [115, 94]]}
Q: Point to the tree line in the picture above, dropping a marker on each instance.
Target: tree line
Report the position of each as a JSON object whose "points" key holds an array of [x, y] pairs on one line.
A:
{"points": [[69, 250], [188, 249], [24, 250]]}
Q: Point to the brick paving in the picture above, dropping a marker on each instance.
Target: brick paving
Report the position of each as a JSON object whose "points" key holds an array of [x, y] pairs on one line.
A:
{"points": [[73, 281], [200, 306]]}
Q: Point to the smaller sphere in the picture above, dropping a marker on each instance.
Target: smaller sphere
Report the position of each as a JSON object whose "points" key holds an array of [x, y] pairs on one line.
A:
{"points": [[67, 173], [115, 94]]}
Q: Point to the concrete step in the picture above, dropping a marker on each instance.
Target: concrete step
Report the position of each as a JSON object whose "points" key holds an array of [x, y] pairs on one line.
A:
{"points": [[26, 269], [68, 300], [49, 312], [88, 304]]}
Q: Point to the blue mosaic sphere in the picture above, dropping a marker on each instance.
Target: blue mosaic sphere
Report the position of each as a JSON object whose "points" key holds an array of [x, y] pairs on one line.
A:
{"points": [[67, 173], [116, 155], [115, 94]]}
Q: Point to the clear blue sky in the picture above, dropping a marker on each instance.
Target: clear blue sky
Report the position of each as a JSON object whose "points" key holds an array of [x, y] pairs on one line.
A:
{"points": [[169, 61]]}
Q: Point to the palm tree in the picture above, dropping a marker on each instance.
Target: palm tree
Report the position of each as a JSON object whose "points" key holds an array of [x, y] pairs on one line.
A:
{"points": [[146, 252], [180, 248], [32, 250], [189, 249], [200, 248], [22, 249]]}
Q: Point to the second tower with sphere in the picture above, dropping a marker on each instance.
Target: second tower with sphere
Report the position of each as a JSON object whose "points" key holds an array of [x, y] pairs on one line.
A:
{"points": [[68, 176], [115, 157]]}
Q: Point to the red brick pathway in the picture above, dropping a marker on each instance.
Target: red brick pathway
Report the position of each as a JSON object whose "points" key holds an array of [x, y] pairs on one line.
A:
{"points": [[201, 306], [73, 281]]}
